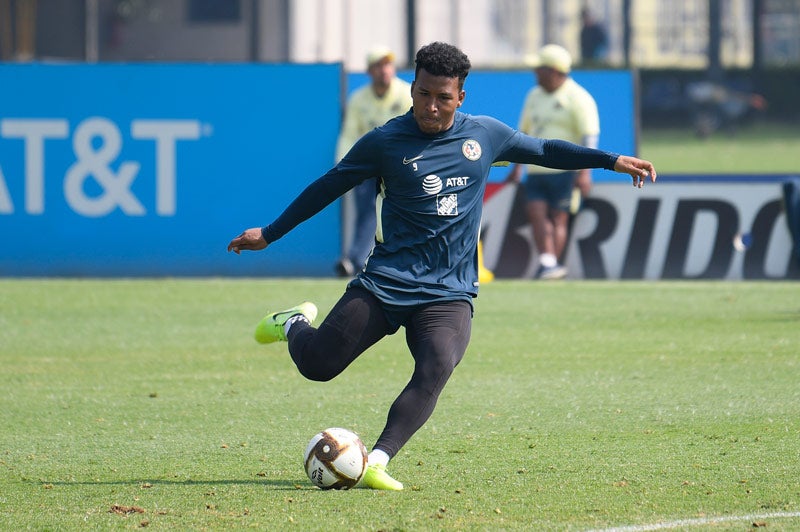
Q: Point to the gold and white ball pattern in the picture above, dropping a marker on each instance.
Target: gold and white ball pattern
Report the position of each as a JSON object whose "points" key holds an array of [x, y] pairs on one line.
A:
{"points": [[335, 458]]}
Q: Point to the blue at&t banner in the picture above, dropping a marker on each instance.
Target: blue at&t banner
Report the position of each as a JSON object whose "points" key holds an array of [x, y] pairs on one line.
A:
{"points": [[127, 170]]}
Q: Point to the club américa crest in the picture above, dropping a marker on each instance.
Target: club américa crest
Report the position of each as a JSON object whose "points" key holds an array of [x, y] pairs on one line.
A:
{"points": [[471, 149]]}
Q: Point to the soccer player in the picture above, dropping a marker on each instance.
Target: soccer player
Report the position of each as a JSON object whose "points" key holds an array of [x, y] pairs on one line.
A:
{"points": [[433, 164], [370, 106]]}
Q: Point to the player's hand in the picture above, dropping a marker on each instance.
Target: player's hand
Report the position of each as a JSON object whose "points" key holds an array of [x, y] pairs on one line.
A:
{"points": [[638, 169], [251, 239]]}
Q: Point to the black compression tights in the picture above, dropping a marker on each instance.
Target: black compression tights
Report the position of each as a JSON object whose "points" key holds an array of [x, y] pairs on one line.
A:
{"points": [[437, 336]]}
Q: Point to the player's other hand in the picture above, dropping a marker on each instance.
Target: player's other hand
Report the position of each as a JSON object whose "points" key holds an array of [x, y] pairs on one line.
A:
{"points": [[638, 169], [251, 239]]}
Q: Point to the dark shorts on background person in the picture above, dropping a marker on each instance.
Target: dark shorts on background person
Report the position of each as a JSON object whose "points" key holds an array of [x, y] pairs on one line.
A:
{"points": [[554, 189]]}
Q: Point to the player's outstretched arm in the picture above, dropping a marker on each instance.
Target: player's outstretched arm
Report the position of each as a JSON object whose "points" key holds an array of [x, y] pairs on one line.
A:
{"points": [[251, 239], [638, 169]]}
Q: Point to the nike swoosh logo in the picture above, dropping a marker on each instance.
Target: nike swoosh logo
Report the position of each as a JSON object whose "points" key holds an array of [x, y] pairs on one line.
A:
{"points": [[409, 161]]}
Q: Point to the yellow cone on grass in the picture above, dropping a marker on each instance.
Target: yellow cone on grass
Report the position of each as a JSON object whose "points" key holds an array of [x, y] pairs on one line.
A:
{"points": [[485, 275]]}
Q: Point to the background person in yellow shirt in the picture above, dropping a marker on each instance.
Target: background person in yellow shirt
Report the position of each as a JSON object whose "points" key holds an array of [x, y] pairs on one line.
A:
{"points": [[556, 108], [370, 106]]}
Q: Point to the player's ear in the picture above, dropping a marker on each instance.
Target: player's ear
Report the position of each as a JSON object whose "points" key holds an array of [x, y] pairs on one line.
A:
{"points": [[461, 95]]}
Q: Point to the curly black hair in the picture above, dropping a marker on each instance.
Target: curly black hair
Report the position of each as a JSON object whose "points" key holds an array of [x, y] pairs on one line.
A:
{"points": [[442, 59]]}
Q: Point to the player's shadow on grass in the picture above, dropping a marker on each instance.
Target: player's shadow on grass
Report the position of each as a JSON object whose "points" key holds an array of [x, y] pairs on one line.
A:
{"points": [[280, 484]]}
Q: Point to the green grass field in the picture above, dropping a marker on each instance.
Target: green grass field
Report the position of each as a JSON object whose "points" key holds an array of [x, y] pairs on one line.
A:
{"points": [[754, 149], [579, 406]]}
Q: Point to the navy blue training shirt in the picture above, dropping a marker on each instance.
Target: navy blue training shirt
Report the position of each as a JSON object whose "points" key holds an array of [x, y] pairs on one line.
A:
{"points": [[430, 200]]}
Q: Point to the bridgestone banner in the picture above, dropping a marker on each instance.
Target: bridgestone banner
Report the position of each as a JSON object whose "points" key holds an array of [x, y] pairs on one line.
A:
{"points": [[677, 228]]}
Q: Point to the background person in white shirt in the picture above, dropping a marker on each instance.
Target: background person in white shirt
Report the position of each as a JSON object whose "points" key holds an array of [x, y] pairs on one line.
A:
{"points": [[370, 106], [556, 108]]}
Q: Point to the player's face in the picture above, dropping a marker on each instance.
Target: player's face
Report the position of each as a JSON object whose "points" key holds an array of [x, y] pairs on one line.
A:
{"points": [[435, 100]]}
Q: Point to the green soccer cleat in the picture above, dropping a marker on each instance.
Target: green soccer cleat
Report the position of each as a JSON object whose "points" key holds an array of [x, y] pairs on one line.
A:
{"points": [[377, 478], [270, 328]]}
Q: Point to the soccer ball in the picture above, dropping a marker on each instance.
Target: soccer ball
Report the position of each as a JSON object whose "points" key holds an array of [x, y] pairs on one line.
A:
{"points": [[335, 459]]}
